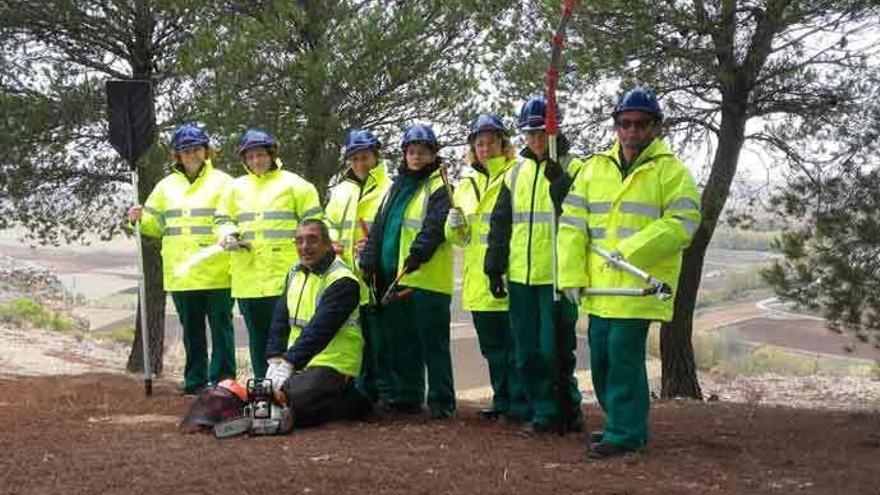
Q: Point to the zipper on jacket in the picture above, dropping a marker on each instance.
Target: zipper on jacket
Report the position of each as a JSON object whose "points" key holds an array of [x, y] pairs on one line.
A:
{"points": [[299, 299], [531, 219]]}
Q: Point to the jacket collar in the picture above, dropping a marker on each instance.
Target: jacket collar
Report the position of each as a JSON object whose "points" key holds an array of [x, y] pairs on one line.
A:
{"points": [[376, 175], [404, 171], [204, 169], [657, 147], [323, 265], [496, 166], [269, 173]]}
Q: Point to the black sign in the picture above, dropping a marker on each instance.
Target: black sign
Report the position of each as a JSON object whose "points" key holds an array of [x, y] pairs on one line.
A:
{"points": [[131, 117]]}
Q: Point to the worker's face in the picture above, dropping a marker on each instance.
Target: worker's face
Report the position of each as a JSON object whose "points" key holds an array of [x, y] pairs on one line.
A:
{"points": [[635, 129], [362, 162], [488, 145], [537, 142], [311, 246], [192, 157], [258, 160], [419, 156]]}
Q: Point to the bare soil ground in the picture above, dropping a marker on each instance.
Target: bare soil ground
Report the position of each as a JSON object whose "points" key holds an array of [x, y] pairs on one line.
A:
{"points": [[97, 433]]}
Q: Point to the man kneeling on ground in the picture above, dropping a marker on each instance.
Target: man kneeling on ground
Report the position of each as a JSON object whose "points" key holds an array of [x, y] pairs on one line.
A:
{"points": [[315, 344]]}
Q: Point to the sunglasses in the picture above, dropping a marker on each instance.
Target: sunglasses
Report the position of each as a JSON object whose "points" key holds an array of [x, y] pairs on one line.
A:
{"points": [[640, 125]]}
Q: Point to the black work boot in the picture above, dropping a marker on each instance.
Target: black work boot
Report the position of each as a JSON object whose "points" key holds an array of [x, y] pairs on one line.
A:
{"points": [[490, 414], [604, 450]]}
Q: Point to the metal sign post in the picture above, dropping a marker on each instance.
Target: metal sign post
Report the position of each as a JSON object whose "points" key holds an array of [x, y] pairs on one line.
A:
{"points": [[132, 129]]}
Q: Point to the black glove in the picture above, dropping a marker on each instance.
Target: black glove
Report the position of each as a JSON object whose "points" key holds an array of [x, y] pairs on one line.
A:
{"points": [[552, 170], [496, 286], [411, 264]]}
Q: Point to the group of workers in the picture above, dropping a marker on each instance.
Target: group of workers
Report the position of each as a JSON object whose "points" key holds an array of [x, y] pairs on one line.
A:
{"points": [[347, 307]]}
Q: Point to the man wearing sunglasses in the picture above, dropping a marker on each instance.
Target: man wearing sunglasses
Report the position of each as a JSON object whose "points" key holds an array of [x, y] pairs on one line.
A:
{"points": [[638, 201]]}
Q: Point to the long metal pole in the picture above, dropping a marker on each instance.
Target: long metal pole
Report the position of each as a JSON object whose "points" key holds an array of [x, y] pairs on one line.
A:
{"points": [[142, 295]]}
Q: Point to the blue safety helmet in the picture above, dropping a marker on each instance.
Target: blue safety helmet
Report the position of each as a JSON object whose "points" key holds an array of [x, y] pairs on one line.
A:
{"points": [[532, 113], [420, 133], [638, 99], [485, 123], [360, 140], [188, 136], [256, 138]]}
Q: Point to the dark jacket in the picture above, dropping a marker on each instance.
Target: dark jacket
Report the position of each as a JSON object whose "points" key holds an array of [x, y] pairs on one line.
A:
{"points": [[431, 235], [501, 221], [337, 302]]}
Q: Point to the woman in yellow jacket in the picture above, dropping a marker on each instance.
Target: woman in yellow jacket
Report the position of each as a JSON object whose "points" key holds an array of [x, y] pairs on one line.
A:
{"points": [[257, 218], [349, 214], [407, 238], [180, 210], [491, 155]]}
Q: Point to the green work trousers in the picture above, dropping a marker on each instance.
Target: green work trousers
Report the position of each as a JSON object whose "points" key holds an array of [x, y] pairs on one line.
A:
{"points": [[496, 345], [374, 380], [193, 306], [620, 380], [418, 339], [538, 360], [257, 313]]}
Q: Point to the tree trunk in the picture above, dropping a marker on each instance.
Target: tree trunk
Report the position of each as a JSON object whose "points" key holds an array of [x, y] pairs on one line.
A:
{"points": [[679, 377]]}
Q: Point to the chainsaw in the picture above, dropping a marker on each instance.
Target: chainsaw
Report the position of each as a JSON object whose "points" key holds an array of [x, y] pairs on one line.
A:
{"points": [[263, 415]]}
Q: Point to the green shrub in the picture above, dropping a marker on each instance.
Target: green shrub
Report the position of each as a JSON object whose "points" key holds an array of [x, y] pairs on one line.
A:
{"points": [[710, 346], [751, 240], [769, 359], [122, 335], [25, 311], [737, 285]]}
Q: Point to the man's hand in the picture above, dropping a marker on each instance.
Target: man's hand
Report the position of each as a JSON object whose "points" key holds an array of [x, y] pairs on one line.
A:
{"points": [[455, 219], [278, 372], [573, 294], [496, 286], [552, 170]]}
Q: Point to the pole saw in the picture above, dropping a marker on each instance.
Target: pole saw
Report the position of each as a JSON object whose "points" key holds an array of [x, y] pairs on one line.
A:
{"points": [[551, 127]]}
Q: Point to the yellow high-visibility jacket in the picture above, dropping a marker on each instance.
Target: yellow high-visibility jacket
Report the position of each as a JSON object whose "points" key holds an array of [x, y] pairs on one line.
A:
{"points": [[527, 195], [182, 214], [265, 210], [649, 217], [475, 194], [352, 202], [345, 351]]}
